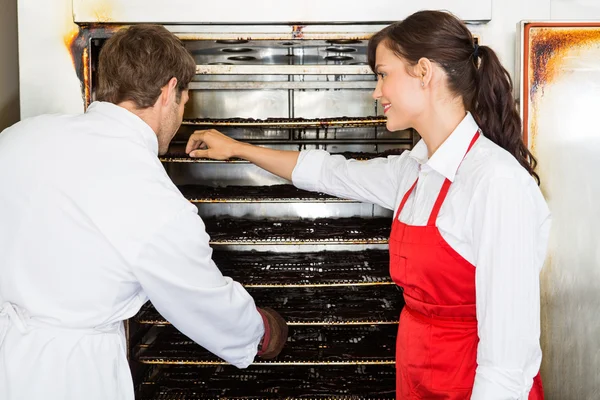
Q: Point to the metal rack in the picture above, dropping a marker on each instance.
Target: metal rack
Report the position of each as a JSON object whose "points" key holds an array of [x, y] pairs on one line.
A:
{"points": [[320, 261], [307, 345], [354, 305], [340, 382]]}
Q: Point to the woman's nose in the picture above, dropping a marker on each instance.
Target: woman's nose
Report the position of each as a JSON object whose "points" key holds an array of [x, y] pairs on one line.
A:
{"points": [[377, 92]]}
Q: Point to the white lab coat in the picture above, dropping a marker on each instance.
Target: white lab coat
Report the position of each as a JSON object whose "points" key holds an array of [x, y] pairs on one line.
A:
{"points": [[91, 227]]}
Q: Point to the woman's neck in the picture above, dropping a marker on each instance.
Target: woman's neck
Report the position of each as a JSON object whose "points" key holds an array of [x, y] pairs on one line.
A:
{"points": [[436, 125]]}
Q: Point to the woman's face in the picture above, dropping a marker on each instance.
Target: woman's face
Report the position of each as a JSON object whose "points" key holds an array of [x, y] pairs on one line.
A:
{"points": [[400, 93]]}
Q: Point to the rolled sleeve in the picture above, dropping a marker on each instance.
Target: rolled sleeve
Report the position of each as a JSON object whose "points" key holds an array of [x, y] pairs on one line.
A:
{"points": [[375, 181], [308, 169]]}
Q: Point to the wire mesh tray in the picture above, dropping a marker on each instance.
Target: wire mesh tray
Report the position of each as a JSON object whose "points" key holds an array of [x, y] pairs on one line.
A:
{"points": [[253, 194], [269, 382], [289, 122], [306, 345], [320, 306], [323, 268], [179, 155], [301, 231]]}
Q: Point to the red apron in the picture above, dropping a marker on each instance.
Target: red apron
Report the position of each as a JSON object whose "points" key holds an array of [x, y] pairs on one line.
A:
{"points": [[436, 349]]}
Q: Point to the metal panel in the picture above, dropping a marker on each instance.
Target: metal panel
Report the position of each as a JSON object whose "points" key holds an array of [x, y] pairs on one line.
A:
{"points": [[334, 103], [284, 69], [263, 104], [259, 104], [299, 209], [560, 90], [268, 11]]}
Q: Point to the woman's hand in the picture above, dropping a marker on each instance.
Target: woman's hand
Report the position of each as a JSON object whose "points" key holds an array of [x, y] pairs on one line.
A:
{"points": [[214, 145], [211, 144]]}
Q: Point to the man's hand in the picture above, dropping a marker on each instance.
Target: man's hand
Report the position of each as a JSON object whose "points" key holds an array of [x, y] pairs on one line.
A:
{"points": [[211, 144], [276, 333]]}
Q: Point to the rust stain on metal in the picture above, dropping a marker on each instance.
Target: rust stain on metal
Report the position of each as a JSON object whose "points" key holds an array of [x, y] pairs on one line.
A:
{"points": [[77, 42], [297, 31], [101, 10], [548, 48], [85, 61], [103, 14], [70, 38]]}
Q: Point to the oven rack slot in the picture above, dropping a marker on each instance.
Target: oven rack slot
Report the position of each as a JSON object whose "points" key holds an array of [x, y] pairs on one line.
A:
{"points": [[299, 231], [185, 361], [274, 69], [179, 156], [306, 345], [268, 382], [380, 282], [255, 194], [310, 269], [194, 396], [288, 123], [351, 305], [282, 85], [157, 320]]}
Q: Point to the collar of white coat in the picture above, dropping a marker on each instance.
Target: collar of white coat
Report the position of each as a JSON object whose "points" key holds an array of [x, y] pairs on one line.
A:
{"points": [[128, 119], [450, 154]]}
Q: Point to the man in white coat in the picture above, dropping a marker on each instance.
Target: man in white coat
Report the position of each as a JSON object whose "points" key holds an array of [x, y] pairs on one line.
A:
{"points": [[91, 227]]}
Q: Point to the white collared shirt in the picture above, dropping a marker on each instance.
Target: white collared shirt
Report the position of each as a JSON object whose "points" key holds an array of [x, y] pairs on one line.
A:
{"points": [[494, 216], [91, 226]]}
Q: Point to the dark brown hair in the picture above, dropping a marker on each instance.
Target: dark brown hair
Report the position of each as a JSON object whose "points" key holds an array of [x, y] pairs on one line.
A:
{"points": [[474, 73], [135, 63]]}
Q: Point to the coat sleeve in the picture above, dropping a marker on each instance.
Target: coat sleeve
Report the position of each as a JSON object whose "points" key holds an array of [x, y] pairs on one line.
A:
{"points": [[375, 181], [510, 232], [177, 273]]}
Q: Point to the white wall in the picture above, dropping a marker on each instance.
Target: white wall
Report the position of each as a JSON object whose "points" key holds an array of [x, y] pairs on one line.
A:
{"points": [[500, 32], [9, 66]]}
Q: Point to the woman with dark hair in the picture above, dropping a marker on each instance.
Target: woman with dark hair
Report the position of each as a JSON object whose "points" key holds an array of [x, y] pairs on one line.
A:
{"points": [[471, 226]]}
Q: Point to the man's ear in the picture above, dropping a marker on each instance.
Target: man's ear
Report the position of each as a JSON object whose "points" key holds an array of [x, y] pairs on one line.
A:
{"points": [[169, 92]]}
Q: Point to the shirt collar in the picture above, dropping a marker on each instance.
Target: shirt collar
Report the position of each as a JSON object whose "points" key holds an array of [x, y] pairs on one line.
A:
{"points": [[129, 119], [450, 154]]}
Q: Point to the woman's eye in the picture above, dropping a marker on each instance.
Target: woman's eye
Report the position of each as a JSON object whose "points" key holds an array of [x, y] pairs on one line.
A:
{"points": [[381, 74]]}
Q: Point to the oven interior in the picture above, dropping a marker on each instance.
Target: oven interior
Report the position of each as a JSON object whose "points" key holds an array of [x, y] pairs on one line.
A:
{"points": [[320, 261]]}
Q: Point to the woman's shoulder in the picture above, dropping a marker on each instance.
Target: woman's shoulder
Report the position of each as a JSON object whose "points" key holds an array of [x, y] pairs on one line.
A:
{"points": [[489, 161], [496, 177]]}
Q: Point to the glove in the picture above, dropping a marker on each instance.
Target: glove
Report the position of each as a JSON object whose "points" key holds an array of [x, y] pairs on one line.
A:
{"points": [[276, 333]]}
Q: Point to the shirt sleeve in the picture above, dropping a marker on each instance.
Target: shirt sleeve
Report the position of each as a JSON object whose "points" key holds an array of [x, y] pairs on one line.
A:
{"points": [[375, 181], [510, 233], [177, 273]]}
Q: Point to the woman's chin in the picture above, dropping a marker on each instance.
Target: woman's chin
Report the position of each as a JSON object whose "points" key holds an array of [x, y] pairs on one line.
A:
{"points": [[394, 126]]}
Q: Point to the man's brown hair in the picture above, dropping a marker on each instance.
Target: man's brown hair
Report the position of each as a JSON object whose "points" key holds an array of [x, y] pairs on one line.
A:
{"points": [[136, 62]]}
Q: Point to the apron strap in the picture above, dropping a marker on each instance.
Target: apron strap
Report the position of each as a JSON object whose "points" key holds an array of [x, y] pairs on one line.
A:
{"points": [[446, 187], [404, 199], [438, 203]]}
